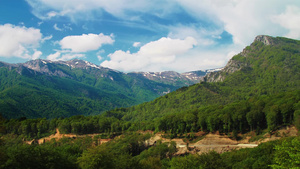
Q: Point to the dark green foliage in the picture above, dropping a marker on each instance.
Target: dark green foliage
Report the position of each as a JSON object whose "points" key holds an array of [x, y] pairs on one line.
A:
{"points": [[115, 154], [254, 114], [90, 91]]}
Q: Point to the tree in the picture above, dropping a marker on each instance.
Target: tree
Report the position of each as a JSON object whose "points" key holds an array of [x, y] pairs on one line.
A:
{"points": [[96, 158], [287, 154]]}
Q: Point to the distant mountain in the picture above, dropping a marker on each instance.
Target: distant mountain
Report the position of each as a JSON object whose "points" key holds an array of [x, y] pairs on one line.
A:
{"points": [[43, 88], [171, 77]]}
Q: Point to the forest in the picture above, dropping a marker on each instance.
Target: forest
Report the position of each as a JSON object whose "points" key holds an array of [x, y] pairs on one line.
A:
{"points": [[261, 96]]}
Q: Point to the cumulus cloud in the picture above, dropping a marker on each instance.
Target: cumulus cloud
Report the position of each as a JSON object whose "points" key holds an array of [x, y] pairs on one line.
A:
{"points": [[85, 42], [22, 42], [161, 52], [244, 19], [36, 54], [241, 19], [76, 46]]}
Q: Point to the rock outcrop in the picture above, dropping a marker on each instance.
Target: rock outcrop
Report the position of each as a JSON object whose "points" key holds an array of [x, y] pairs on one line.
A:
{"points": [[267, 40], [236, 65]]}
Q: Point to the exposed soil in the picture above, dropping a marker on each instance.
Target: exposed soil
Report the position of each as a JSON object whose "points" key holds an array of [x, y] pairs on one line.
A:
{"points": [[58, 136], [211, 141]]}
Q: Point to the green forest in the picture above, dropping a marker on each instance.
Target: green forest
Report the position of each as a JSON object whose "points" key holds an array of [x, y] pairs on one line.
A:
{"points": [[261, 96], [74, 91]]}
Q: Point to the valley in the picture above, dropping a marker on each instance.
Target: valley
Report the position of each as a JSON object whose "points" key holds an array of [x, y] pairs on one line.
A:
{"points": [[245, 115]]}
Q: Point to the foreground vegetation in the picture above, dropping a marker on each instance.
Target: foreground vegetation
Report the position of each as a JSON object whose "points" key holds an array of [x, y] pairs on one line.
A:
{"points": [[130, 151]]}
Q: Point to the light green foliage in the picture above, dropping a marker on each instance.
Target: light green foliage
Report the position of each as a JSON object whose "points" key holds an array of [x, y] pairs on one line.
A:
{"points": [[211, 160], [287, 154]]}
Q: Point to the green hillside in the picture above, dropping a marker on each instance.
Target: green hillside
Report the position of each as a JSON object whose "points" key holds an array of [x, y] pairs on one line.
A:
{"points": [[260, 71], [57, 90]]}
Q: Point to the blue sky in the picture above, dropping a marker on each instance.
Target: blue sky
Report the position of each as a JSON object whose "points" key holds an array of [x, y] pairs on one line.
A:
{"points": [[141, 35]]}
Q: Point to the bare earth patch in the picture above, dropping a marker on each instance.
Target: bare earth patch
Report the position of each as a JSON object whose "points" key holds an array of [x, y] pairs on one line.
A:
{"points": [[211, 141]]}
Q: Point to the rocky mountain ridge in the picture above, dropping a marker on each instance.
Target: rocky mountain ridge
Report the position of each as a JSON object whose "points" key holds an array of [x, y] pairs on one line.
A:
{"points": [[235, 65], [54, 68]]}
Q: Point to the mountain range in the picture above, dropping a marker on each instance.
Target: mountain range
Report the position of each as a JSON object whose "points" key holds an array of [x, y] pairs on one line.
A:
{"points": [[50, 89], [43, 88]]}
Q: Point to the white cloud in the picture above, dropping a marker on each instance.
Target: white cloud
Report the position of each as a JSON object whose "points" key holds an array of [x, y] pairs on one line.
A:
{"points": [[57, 28], [36, 54], [71, 56], [99, 57], [203, 36], [65, 27], [242, 19], [85, 42], [52, 14], [83, 9], [99, 54], [19, 42], [136, 44], [47, 38], [160, 53], [54, 56], [290, 20], [245, 19], [59, 56]]}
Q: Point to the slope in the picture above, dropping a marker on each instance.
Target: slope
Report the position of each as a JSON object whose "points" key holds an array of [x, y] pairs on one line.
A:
{"points": [[268, 67], [42, 88]]}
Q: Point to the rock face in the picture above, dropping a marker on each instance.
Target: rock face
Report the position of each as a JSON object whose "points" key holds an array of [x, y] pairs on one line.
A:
{"points": [[235, 65], [218, 76], [267, 40]]}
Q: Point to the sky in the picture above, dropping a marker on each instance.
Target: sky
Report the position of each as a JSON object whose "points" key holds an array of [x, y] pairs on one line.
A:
{"points": [[141, 35]]}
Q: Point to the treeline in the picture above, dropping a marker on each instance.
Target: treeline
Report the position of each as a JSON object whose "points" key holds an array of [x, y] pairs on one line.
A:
{"points": [[255, 114], [130, 151], [242, 116]]}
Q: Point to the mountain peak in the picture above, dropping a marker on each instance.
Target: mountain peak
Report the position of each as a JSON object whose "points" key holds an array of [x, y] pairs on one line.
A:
{"points": [[267, 40], [77, 63]]}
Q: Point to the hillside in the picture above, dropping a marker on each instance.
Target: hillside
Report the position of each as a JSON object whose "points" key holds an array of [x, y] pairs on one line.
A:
{"points": [[42, 88], [268, 67]]}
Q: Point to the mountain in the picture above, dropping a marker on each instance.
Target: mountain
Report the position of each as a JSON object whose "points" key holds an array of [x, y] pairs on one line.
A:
{"points": [[43, 88], [268, 68], [172, 78]]}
